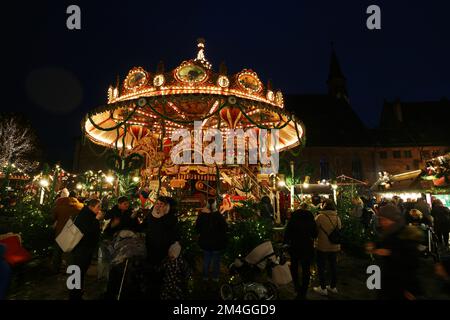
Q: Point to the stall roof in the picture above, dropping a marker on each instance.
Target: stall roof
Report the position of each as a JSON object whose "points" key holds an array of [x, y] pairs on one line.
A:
{"points": [[313, 188]]}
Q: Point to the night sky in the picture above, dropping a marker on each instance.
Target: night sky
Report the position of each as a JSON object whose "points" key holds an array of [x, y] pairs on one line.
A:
{"points": [[55, 75]]}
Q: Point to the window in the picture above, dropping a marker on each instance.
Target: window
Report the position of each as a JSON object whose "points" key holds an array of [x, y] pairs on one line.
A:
{"points": [[397, 154], [383, 154], [426, 155], [407, 154], [324, 169]]}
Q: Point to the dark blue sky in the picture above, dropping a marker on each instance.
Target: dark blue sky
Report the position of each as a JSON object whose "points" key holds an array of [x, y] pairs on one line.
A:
{"points": [[55, 75]]}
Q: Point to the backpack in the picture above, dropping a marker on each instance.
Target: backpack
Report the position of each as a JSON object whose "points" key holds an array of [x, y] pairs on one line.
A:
{"points": [[335, 236]]}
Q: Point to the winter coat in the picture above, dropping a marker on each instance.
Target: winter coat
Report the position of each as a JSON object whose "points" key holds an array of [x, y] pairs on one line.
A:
{"points": [[441, 217], [88, 224], [357, 211], [126, 221], [64, 209], [416, 221], [160, 234], [212, 228], [423, 207], [326, 222], [399, 269], [175, 279], [300, 233]]}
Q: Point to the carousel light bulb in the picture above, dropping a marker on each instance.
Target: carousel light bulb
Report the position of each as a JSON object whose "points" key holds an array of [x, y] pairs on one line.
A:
{"points": [[79, 186], [305, 185], [281, 183], [135, 179]]}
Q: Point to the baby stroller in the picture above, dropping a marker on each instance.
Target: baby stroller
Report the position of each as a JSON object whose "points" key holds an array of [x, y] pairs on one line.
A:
{"points": [[248, 279], [127, 253], [429, 245]]}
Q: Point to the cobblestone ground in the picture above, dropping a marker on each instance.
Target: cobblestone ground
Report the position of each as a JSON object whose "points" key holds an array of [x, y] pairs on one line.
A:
{"points": [[35, 282]]}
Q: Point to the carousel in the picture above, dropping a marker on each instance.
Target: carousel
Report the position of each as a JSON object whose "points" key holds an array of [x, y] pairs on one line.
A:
{"points": [[146, 108]]}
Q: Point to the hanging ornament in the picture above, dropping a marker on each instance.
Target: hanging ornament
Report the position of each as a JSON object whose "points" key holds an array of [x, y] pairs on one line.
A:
{"points": [[231, 115]]}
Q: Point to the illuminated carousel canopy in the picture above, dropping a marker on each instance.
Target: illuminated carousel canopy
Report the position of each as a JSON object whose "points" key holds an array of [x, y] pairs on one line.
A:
{"points": [[150, 105]]}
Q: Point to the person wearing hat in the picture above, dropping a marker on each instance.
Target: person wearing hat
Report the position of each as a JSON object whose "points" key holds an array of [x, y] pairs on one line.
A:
{"points": [[399, 255], [162, 242]]}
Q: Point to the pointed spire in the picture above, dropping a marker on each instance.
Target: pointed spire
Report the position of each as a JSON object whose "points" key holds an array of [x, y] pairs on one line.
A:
{"points": [[335, 67], [201, 53], [337, 84], [269, 84]]}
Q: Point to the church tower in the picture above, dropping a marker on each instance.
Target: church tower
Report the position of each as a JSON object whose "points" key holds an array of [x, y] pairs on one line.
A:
{"points": [[337, 84]]}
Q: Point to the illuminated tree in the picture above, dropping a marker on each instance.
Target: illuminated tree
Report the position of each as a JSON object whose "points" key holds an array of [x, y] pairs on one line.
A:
{"points": [[18, 143]]}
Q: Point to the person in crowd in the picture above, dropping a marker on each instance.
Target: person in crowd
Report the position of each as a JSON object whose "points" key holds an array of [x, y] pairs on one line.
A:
{"points": [[66, 206], [357, 209], [442, 270], [87, 222], [398, 249], [121, 216], [212, 228], [408, 206], [267, 211], [422, 205], [367, 214], [327, 221], [5, 273], [162, 242], [316, 199], [105, 201], [301, 231], [441, 217], [416, 217]]}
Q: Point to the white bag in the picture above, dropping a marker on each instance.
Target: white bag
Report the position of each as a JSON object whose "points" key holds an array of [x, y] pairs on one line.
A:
{"points": [[281, 274], [174, 250], [69, 237]]}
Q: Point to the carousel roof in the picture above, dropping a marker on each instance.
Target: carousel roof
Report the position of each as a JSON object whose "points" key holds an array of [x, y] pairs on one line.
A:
{"points": [[155, 104]]}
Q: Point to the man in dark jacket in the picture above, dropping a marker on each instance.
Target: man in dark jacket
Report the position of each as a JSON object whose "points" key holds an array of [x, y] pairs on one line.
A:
{"points": [[399, 253], [300, 233], [441, 216], [81, 256], [121, 217], [212, 227]]}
